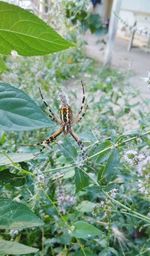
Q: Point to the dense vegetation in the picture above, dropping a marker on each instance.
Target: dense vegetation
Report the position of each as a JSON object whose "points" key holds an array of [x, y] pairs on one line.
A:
{"points": [[93, 206]]}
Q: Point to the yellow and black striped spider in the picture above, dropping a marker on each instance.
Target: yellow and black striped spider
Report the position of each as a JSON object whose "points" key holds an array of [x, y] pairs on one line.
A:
{"points": [[66, 120]]}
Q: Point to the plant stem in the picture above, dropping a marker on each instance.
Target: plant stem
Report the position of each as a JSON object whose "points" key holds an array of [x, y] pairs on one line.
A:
{"points": [[118, 144], [131, 212]]}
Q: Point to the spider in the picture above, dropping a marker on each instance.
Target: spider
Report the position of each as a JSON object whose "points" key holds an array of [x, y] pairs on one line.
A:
{"points": [[66, 120]]}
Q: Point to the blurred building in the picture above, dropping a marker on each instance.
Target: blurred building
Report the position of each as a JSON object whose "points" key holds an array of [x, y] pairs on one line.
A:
{"points": [[134, 24], [134, 20]]}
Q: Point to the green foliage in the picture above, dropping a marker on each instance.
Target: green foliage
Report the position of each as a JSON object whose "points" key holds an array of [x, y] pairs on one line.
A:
{"points": [[98, 206], [105, 170], [15, 158], [86, 206], [95, 24], [81, 180], [14, 215], [76, 12], [14, 248], [19, 110], [112, 163], [6, 177], [62, 188], [84, 230], [25, 33]]}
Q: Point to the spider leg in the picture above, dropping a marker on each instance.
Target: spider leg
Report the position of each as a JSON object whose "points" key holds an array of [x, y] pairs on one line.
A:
{"points": [[83, 99], [51, 115], [78, 119], [80, 143], [83, 107], [46, 142]]}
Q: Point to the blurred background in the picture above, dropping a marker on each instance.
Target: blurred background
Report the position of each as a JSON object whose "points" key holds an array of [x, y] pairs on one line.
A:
{"points": [[92, 18], [113, 33]]}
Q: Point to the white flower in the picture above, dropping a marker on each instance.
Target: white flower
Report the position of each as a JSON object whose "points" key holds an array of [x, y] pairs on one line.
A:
{"points": [[130, 156], [141, 157], [144, 166], [40, 178], [64, 200], [143, 187], [113, 192]]}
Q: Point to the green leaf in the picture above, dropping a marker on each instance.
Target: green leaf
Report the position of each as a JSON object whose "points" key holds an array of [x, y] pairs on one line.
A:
{"points": [[85, 230], [111, 164], [81, 179], [18, 112], [16, 215], [15, 158], [14, 248], [104, 155], [27, 34], [101, 151], [68, 150], [86, 206]]}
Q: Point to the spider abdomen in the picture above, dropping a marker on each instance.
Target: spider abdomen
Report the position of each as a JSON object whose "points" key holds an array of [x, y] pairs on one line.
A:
{"points": [[66, 118], [66, 115]]}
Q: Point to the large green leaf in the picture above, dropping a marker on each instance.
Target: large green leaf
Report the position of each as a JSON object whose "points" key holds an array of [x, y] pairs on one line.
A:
{"points": [[18, 111], [16, 215], [85, 230], [14, 248], [25, 33], [15, 158]]}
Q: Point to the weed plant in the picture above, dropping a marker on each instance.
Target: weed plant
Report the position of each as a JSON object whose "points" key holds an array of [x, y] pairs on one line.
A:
{"points": [[109, 189], [93, 206]]}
